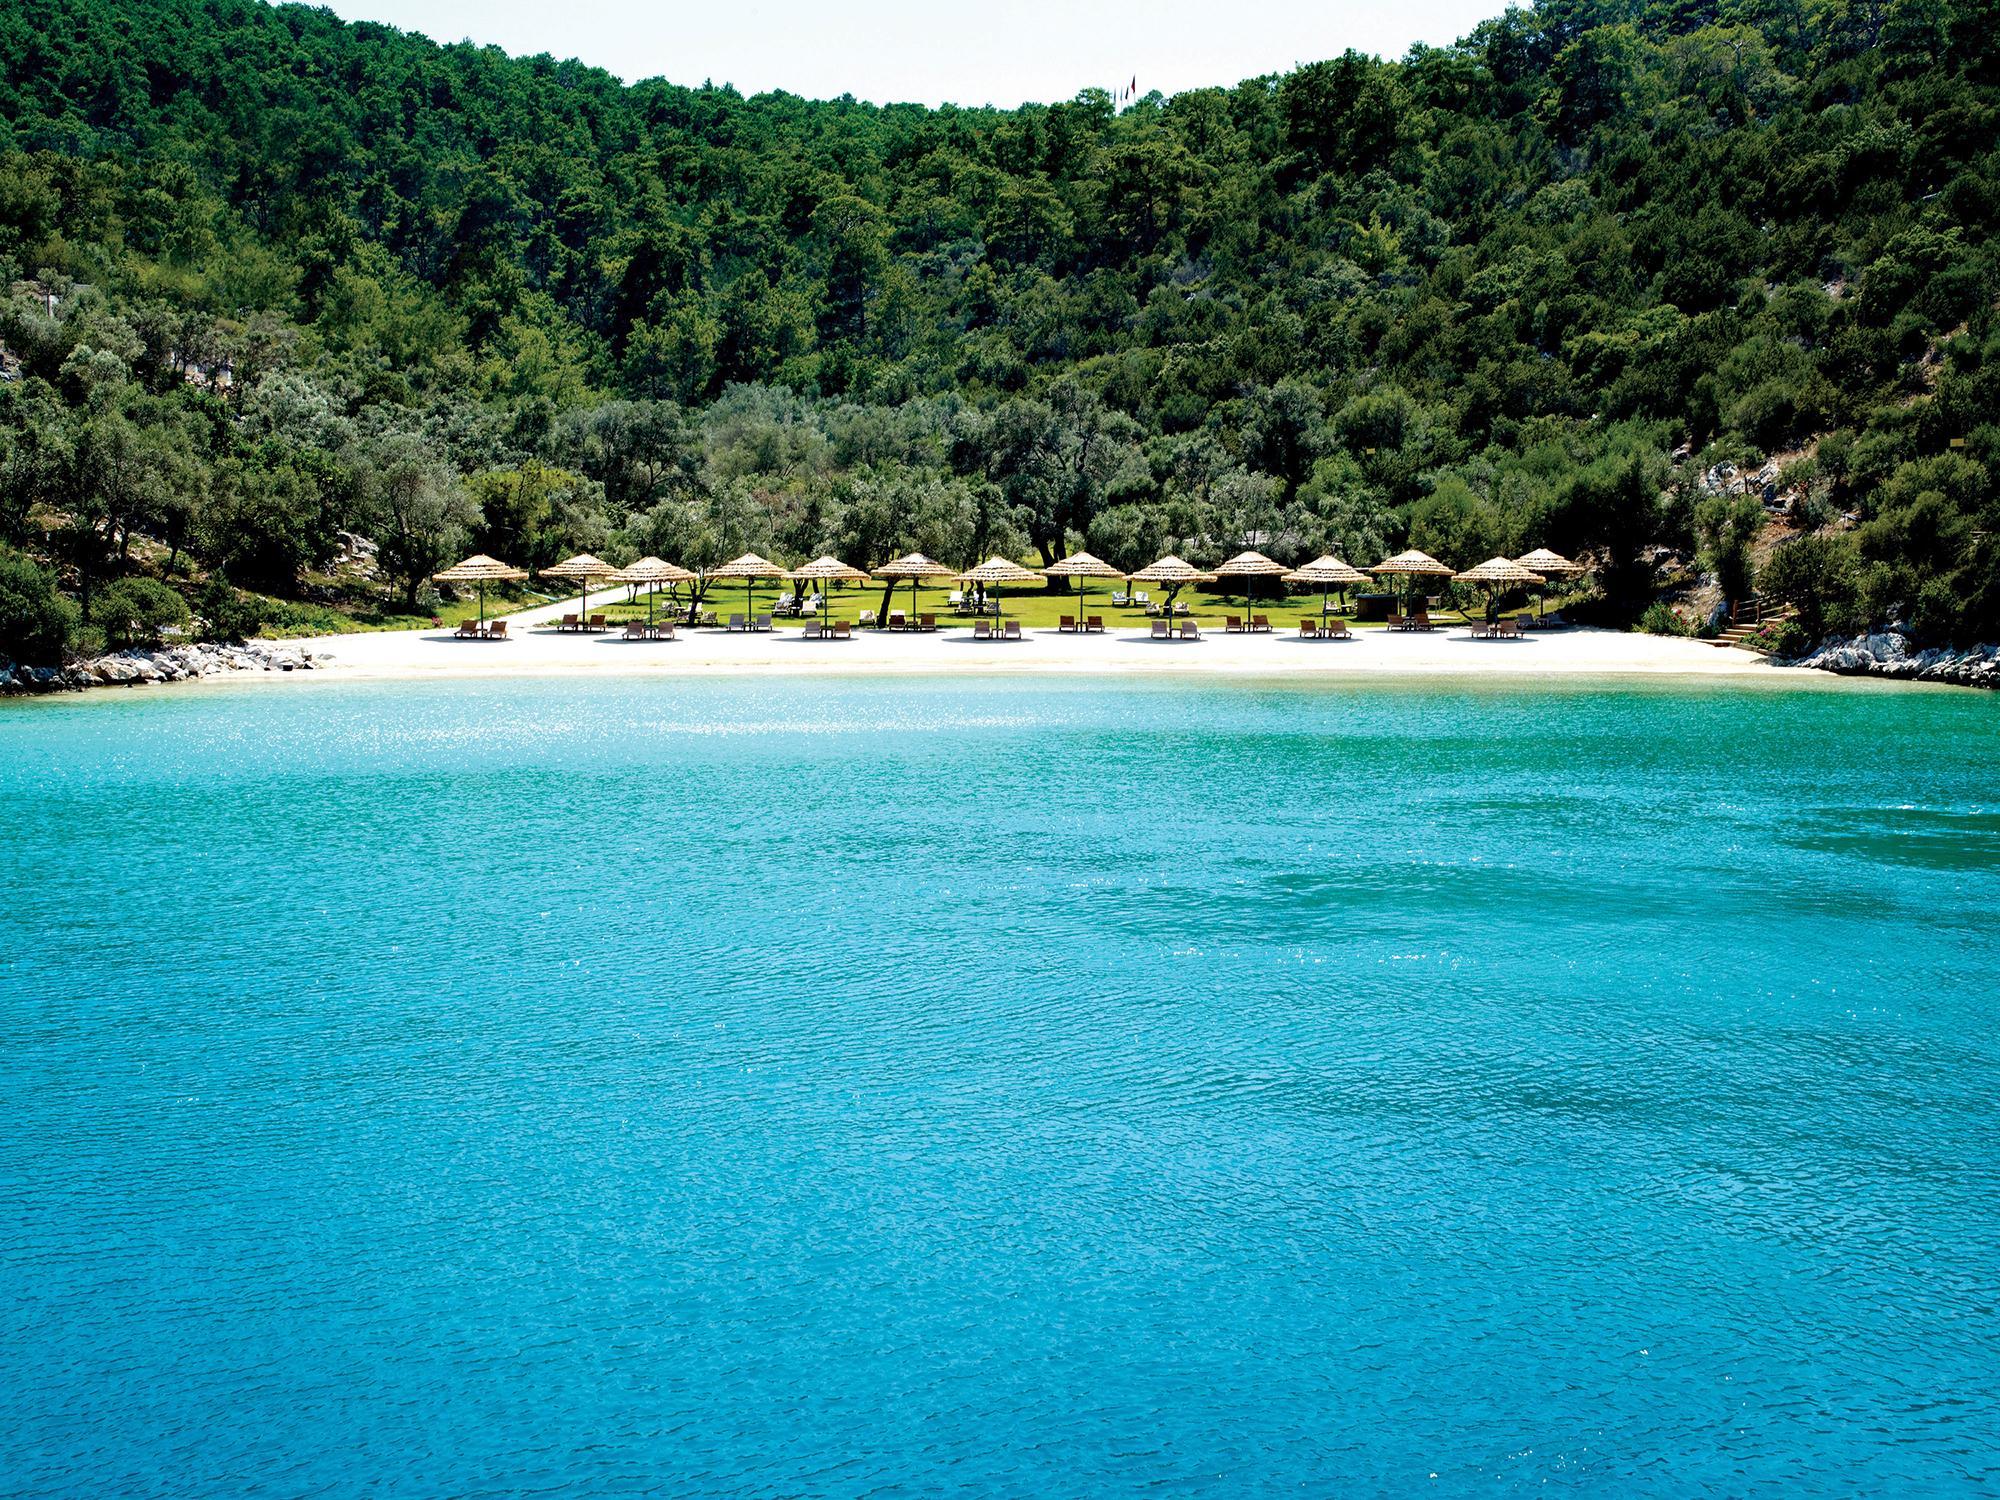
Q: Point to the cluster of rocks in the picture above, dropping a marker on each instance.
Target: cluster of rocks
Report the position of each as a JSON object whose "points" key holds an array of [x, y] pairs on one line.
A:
{"points": [[166, 664], [1887, 654]]}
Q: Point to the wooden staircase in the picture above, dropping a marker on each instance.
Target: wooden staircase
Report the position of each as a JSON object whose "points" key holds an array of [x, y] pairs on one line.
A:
{"points": [[1747, 618]]}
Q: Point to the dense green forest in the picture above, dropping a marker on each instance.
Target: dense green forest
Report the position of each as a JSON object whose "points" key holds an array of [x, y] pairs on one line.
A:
{"points": [[275, 277]]}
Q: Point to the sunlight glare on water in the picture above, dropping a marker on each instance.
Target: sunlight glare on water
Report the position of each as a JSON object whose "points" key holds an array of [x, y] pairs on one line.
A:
{"points": [[1009, 1087]]}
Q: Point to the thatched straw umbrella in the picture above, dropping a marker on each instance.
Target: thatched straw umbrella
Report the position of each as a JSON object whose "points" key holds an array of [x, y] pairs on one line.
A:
{"points": [[912, 566], [1497, 572], [481, 570], [1080, 565], [1249, 565], [1175, 574], [1412, 564], [652, 571], [583, 567], [996, 571], [1329, 573], [748, 567], [1549, 565], [828, 569]]}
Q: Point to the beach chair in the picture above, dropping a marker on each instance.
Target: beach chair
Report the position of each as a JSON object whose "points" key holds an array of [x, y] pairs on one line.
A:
{"points": [[635, 630], [1260, 624], [867, 617], [783, 603], [1481, 631], [1066, 622], [1190, 631], [1336, 630], [597, 622], [927, 622], [497, 631], [1117, 601], [1012, 632], [664, 631], [708, 617], [1309, 630], [736, 623], [841, 632], [956, 600], [1523, 623], [1181, 607], [1094, 625], [1140, 596], [468, 630], [1162, 631], [1420, 621], [569, 622], [763, 622], [1232, 624], [982, 630], [896, 619], [1394, 622], [812, 630]]}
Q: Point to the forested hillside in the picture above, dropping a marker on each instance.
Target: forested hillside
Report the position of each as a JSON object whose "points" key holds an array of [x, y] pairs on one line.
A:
{"points": [[275, 276]]}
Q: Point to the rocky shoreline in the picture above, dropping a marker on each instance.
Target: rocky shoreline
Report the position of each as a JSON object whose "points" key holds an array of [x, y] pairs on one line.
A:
{"points": [[163, 664], [1887, 654]]}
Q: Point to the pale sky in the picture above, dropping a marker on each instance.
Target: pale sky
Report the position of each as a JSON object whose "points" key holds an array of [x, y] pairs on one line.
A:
{"points": [[894, 51]]}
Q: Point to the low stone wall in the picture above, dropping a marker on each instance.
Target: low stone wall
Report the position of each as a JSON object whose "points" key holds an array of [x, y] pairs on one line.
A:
{"points": [[1887, 654], [166, 664]]}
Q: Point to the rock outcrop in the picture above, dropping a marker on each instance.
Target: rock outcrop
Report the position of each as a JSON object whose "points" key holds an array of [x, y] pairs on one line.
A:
{"points": [[1887, 654], [165, 664]]}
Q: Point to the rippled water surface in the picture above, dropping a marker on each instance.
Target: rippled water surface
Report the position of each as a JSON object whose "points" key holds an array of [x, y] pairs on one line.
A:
{"points": [[999, 1088]]}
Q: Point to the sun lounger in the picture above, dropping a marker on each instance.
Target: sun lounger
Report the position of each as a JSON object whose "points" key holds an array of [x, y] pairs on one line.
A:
{"points": [[1117, 601], [597, 622], [1095, 624], [1419, 622], [497, 631], [1524, 623], [1481, 631], [635, 630], [867, 617], [927, 622], [1162, 631], [1232, 624], [1190, 631], [1067, 623], [842, 631], [1012, 632], [1140, 596], [763, 622], [736, 623], [1394, 622], [783, 602], [1510, 630], [569, 622], [1181, 607], [1260, 624], [897, 620], [468, 630], [663, 631], [708, 617], [982, 630], [812, 630], [1309, 629], [1336, 630], [956, 598]]}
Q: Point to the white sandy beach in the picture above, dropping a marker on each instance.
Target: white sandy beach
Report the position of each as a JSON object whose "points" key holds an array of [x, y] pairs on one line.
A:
{"points": [[534, 648]]}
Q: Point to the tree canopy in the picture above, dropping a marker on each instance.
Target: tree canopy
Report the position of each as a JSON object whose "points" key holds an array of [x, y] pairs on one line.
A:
{"points": [[273, 275]]}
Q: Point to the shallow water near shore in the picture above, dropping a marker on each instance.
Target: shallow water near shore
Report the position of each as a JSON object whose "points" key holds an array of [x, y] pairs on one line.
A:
{"points": [[1000, 1086]]}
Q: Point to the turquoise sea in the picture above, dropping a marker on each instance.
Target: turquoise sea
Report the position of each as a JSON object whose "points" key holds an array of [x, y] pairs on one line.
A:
{"points": [[1000, 1088]]}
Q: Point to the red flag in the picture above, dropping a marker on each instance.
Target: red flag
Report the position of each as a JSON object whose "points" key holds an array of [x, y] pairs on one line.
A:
{"points": [[1135, 83]]}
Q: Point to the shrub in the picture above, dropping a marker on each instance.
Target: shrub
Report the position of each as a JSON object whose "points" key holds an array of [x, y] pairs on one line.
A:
{"points": [[36, 622], [226, 614], [1814, 573], [133, 611], [1661, 618]]}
